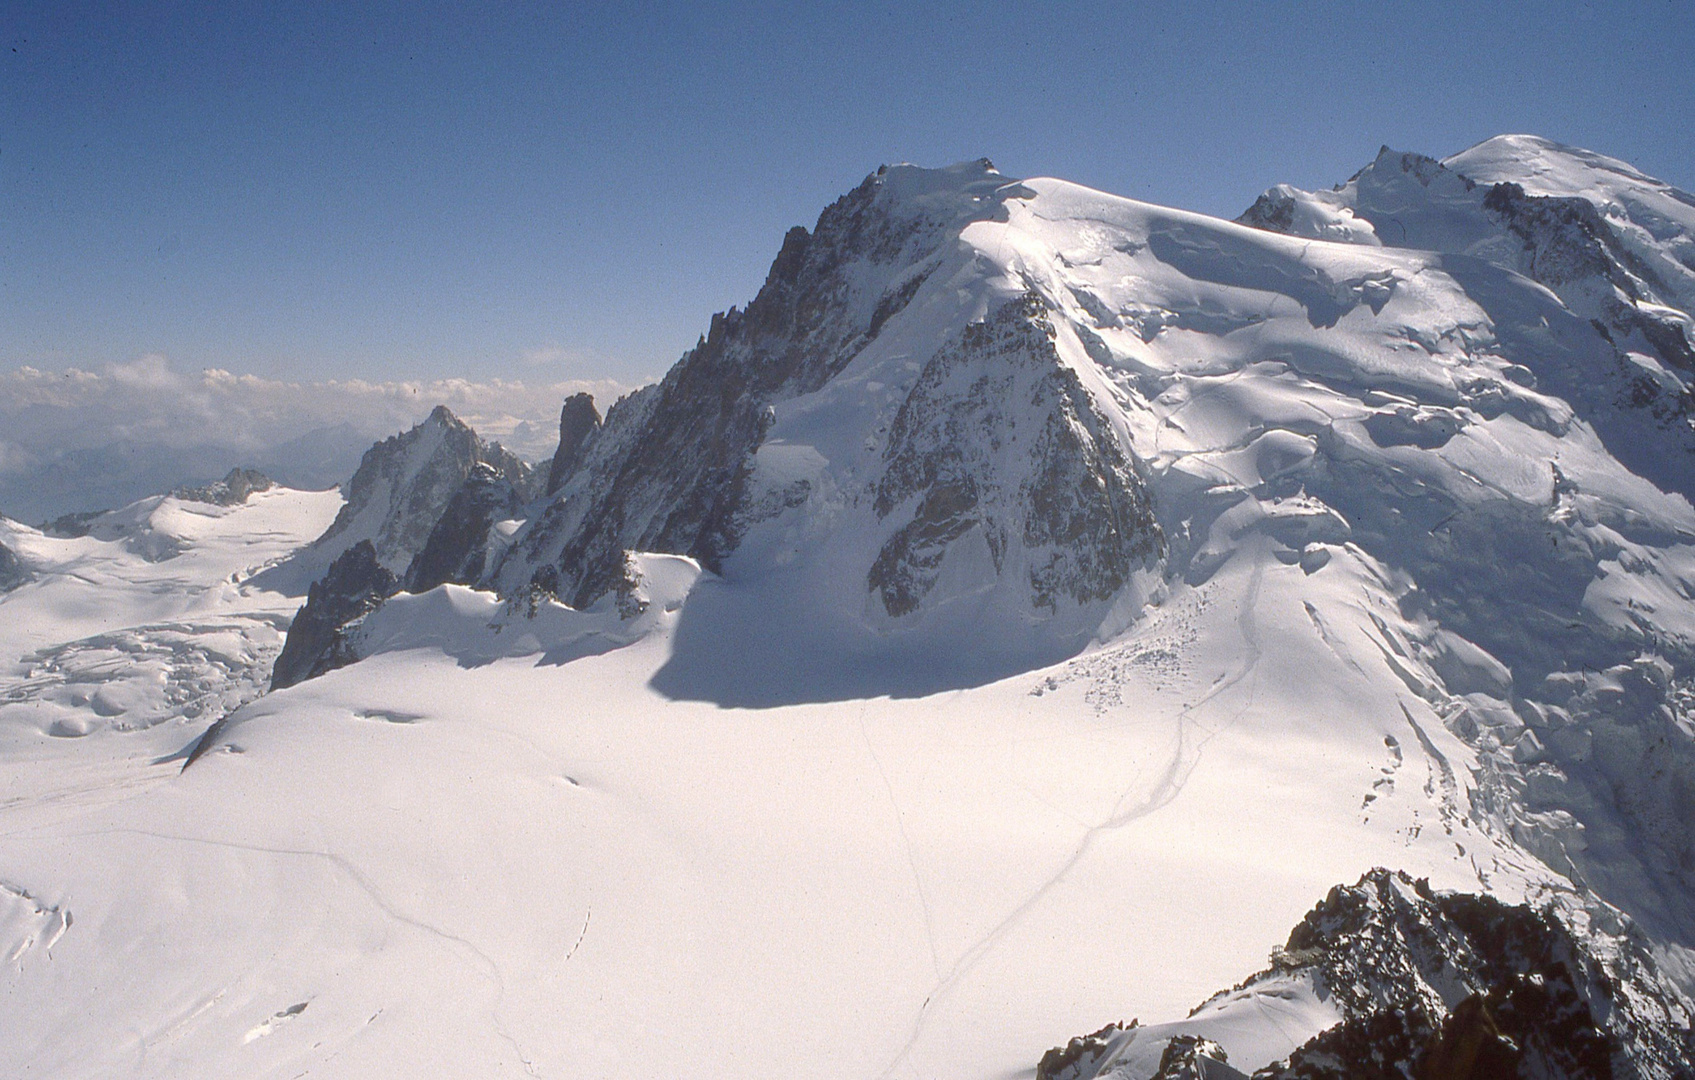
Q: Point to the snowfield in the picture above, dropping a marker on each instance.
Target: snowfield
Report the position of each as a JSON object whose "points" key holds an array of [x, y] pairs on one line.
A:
{"points": [[933, 767], [462, 862]]}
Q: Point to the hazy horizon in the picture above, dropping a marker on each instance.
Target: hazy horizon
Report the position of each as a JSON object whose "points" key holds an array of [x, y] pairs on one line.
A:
{"points": [[392, 194]]}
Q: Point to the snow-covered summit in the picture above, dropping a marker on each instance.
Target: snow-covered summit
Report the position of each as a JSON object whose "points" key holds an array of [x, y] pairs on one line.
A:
{"points": [[1250, 556]]}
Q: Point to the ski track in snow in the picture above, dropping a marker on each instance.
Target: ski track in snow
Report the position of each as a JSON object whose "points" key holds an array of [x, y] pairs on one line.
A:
{"points": [[1185, 757], [491, 970]]}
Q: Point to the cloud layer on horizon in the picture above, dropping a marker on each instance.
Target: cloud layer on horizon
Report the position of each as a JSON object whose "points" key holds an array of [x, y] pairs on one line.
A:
{"points": [[84, 440]]}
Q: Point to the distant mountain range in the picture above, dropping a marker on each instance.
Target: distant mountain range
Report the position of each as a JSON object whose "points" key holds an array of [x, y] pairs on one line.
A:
{"points": [[1022, 612]]}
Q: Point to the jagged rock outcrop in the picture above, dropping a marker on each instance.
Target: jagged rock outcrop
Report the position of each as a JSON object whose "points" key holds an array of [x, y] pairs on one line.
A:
{"points": [[232, 490], [72, 526], [404, 484], [1450, 985], [669, 472], [12, 570], [1000, 437], [458, 547], [357, 583], [579, 420]]}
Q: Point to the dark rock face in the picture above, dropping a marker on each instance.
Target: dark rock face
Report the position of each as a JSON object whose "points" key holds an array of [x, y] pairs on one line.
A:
{"points": [[668, 473], [12, 571], [1396, 956], [1079, 1058], [72, 526], [232, 490], [405, 482], [458, 545], [579, 420], [1073, 499], [355, 586], [1455, 986], [1190, 1057], [1273, 211]]}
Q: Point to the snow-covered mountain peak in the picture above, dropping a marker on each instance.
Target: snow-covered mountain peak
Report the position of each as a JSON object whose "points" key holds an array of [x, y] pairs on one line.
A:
{"points": [[403, 485], [954, 190]]}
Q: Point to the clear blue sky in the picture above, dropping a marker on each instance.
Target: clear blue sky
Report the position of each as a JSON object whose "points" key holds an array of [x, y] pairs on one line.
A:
{"points": [[571, 190]]}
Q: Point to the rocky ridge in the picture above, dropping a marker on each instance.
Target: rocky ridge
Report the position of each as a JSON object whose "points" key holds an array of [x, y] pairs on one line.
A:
{"points": [[232, 490], [1438, 984], [405, 483]]}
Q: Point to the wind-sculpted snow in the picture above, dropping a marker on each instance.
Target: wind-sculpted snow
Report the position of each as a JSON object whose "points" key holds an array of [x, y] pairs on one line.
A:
{"points": [[1020, 614]]}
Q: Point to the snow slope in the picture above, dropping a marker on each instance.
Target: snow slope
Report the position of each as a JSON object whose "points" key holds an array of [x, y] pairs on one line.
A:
{"points": [[1400, 599]]}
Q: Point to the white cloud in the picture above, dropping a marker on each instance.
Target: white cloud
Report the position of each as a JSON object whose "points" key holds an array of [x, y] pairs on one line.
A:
{"points": [[78, 439]]}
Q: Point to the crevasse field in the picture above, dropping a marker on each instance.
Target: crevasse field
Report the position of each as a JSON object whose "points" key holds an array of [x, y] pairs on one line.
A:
{"points": [[765, 828]]}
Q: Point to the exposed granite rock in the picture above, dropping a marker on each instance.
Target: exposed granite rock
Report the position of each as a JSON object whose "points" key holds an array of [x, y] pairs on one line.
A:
{"points": [[356, 585], [232, 490], [579, 420], [668, 471], [1462, 986], [457, 548], [404, 484], [72, 526], [1393, 952], [12, 570], [1080, 1058], [1273, 211], [963, 446], [1190, 1057]]}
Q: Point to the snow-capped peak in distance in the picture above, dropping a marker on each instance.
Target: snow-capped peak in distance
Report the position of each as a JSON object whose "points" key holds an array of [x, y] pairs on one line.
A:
{"points": [[1252, 555]]}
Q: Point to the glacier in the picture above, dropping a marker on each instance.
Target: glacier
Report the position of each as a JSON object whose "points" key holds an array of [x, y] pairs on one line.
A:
{"points": [[1011, 623]]}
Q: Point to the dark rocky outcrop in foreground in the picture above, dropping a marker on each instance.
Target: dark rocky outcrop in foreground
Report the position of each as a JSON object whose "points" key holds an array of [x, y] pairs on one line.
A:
{"points": [[232, 490], [355, 586], [1451, 986]]}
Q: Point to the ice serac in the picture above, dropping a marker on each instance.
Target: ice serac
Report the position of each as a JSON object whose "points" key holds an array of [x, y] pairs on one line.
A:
{"points": [[578, 422], [1617, 247], [356, 585], [1428, 984], [404, 483]]}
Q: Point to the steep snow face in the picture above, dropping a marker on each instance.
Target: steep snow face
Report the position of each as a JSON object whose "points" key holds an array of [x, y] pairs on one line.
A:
{"points": [[404, 484], [893, 445], [670, 470]]}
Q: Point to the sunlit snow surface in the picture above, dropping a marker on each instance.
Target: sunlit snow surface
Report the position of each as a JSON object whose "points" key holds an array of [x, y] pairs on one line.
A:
{"points": [[516, 844]]}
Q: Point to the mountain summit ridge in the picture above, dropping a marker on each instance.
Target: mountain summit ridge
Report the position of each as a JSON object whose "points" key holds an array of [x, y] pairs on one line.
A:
{"points": [[1060, 591]]}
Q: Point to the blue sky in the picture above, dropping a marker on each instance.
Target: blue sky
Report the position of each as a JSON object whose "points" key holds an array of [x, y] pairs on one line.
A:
{"points": [[569, 191]]}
